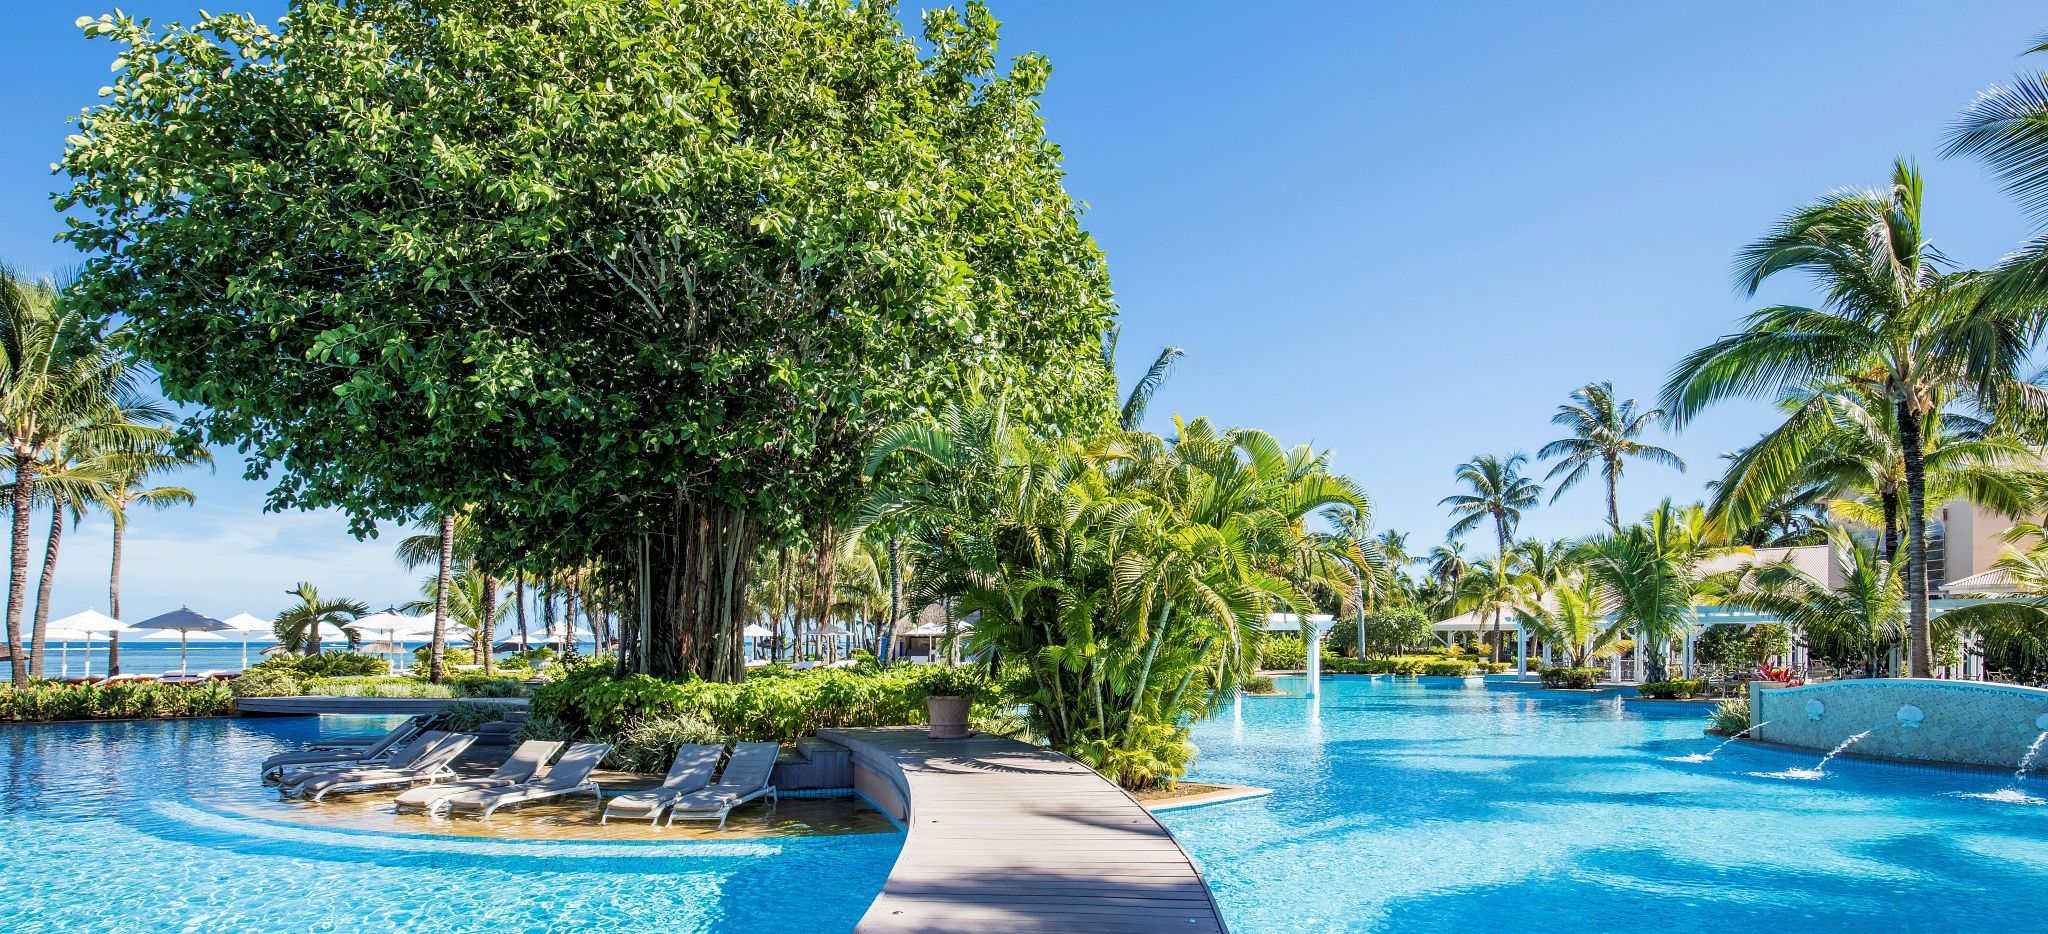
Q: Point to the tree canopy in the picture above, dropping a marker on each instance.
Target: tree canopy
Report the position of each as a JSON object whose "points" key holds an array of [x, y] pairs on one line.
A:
{"points": [[635, 280]]}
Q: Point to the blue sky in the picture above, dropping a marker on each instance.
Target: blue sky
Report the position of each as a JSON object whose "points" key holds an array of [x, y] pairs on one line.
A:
{"points": [[1401, 232]]}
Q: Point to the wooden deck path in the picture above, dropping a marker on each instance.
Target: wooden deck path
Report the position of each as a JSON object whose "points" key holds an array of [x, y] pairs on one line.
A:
{"points": [[1005, 836]]}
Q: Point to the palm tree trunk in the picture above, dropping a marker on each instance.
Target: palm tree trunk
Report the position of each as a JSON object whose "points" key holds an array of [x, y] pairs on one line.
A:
{"points": [[43, 591], [1613, 510], [885, 635], [1920, 654], [487, 626], [439, 646], [569, 618], [1889, 502], [1500, 576], [1358, 584], [519, 606], [114, 596], [828, 567], [17, 573], [547, 606]]}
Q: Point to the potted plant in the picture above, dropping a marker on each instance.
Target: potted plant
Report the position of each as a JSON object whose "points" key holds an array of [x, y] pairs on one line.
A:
{"points": [[948, 695]]}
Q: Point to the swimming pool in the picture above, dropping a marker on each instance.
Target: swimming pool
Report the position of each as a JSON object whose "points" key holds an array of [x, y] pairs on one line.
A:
{"points": [[154, 826], [1404, 806]]}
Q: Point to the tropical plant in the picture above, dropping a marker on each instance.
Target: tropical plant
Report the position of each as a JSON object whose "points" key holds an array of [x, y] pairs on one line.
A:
{"points": [[2007, 127], [1604, 434], [1895, 321], [124, 491], [450, 550], [1131, 414], [1866, 610], [66, 392], [298, 626], [1372, 573], [1573, 620], [467, 602], [1651, 576], [1498, 492]]}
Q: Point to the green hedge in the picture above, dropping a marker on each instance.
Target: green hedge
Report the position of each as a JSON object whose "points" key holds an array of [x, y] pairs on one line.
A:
{"points": [[1671, 688], [265, 682], [777, 706], [43, 701], [1449, 668], [325, 665], [1283, 653], [1576, 678]]}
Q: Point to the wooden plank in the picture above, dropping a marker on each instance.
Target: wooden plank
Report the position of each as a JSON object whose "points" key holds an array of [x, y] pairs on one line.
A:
{"points": [[1008, 836]]}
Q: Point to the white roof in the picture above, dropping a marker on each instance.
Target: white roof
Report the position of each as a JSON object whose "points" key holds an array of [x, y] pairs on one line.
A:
{"points": [[1474, 622], [1994, 582]]}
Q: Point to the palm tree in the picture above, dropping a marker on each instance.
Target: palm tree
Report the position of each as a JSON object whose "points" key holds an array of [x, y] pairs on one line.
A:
{"points": [[59, 385], [1895, 321], [1494, 587], [449, 548], [1650, 575], [1867, 610], [469, 602], [1132, 412], [1499, 492], [298, 627], [1603, 432], [1372, 572], [1574, 619], [2007, 127], [124, 492]]}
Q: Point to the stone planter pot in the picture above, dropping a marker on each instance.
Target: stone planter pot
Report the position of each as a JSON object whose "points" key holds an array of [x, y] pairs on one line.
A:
{"points": [[948, 716]]}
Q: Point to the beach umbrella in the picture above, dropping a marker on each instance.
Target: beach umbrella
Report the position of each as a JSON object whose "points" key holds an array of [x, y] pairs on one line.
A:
{"points": [[756, 631], [185, 622], [89, 622], [63, 637], [388, 627], [245, 624]]}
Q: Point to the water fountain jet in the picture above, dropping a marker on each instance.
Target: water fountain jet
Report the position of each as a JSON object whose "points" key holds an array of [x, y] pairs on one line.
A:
{"points": [[1820, 769], [1708, 756]]}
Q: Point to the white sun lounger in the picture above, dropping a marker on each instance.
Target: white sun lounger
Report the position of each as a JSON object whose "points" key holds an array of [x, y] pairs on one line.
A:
{"points": [[436, 764], [570, 775], [345, 753], [526, 762], [690, 771], [400, 756], [745, 778]]}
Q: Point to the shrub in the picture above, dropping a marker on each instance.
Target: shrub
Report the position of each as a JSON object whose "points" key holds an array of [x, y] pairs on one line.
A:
{"points": [[650, 745], [265, 682], [1495, 668], [1260, 684], [466, 716], [1671, 688], [1448, 669], [1573, 678], [1283, 653], [423, 659], [377, 686], [591, 702], [478, 684], [46, 701], [1730, 716], [325, 665], [954, 681]]}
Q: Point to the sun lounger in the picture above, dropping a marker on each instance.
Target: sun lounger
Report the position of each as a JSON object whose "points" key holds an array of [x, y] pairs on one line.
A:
{"points": [[431, 766], [399, 756], [525, 763], [570, 775], [346, 754], [745, 778], [690, 771]]}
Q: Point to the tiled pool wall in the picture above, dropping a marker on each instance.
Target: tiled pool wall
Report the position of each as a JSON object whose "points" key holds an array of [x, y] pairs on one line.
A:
{"points": [[1917, 719]]}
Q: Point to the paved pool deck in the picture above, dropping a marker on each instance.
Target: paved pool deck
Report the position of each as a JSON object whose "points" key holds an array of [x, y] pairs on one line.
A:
{"points": [[1006, 836]]}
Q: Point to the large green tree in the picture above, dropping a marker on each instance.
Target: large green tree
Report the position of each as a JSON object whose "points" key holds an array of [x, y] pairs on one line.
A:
{"points": [[635, 281], [1894, 319]]}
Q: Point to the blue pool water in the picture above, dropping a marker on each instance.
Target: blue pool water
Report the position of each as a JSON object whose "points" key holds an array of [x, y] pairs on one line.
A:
{"points": [[161, 826], [1422, 808]]}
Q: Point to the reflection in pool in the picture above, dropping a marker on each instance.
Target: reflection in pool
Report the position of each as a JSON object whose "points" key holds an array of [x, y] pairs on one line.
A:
{"points": [[162, 825]]}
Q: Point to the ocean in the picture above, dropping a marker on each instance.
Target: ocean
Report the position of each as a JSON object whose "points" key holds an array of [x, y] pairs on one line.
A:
{"points": [[154, 657]]}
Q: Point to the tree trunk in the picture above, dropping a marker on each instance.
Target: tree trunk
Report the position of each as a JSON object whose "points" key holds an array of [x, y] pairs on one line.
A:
{"points": [[1921, 660], [439, 646], [1889, 502], [519, 607], [699, 584], [1500, 576], [114, 596], [487, 625], [41, 645], [547, 608], [1358, 584], [569, 617], [1613, 511], [17, 573], [828, 568], [885, 636]]}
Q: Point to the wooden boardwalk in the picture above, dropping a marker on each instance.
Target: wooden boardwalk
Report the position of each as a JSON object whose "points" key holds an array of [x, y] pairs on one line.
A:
{"points": [[1005, 836]]}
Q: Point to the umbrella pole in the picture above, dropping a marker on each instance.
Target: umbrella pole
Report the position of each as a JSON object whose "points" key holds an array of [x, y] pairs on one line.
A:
{"points": [[245, 650], [88, 654], [182, 668]]}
